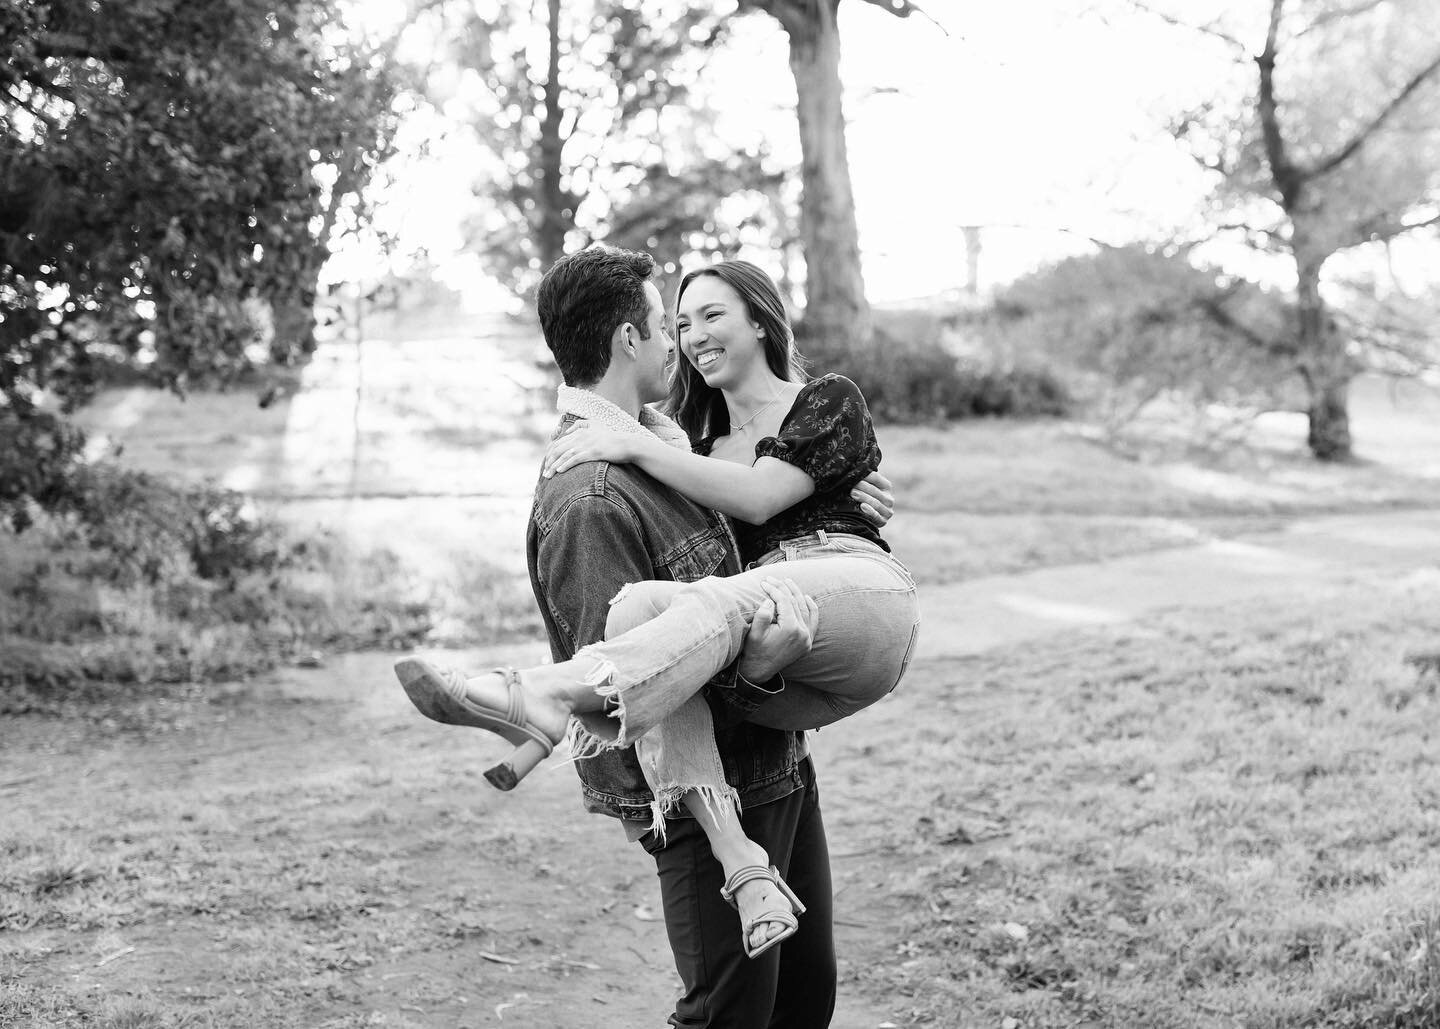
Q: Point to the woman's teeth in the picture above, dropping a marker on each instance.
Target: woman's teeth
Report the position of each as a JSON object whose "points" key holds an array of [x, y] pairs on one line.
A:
{"points": [[707, 358]]}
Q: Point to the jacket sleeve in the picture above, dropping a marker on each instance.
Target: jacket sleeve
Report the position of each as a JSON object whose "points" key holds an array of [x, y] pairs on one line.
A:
{"points": [[593, 551], [595, 548]]}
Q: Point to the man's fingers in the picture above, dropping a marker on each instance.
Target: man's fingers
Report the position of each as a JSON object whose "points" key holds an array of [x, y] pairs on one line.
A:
{"points": [[788, 597], [875, 492], [777, 601], [878, 482], [873, 504], [764, 616]]}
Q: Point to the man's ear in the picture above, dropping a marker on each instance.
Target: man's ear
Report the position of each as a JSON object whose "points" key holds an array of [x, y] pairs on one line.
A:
{"points": [[622, 340]]}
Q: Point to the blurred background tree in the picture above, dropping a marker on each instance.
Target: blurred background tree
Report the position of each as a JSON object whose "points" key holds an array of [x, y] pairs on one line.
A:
{"points": [[836, 309], [171, 176], [595, 129], [599, 126], [1331, 142], [1135, 326]]}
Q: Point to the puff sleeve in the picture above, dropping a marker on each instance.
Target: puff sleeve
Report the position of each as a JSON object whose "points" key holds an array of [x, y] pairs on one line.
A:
{"points": [[828, 435]]}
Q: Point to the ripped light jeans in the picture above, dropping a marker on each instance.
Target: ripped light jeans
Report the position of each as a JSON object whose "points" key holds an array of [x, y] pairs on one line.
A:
{"points": [[664, 640]]}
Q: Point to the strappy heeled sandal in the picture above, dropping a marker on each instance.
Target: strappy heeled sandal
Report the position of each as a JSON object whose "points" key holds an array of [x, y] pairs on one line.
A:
{"points": [[786, 919], [440, 694]]}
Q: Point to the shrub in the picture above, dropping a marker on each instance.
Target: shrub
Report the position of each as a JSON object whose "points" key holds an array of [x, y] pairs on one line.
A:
{"points": [[137, 528], [140, 581], [1135, 328], [916, 377]]}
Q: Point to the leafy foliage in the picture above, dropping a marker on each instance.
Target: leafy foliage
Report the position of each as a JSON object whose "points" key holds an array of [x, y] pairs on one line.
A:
{"points": [[135, 580], [169, 177], [1355, 150], [909, 374], [1327, 138], [595, 128], [1133, 325]]}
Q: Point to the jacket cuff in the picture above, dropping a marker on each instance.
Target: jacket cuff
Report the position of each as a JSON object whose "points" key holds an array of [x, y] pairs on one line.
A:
{"points": [[733, 703]]}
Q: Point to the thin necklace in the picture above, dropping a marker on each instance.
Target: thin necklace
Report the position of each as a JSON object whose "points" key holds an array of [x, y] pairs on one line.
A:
{"points": [[756, 414]]}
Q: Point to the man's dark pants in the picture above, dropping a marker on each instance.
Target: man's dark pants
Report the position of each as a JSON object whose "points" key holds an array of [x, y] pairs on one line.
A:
{"points": [[705, 931]]}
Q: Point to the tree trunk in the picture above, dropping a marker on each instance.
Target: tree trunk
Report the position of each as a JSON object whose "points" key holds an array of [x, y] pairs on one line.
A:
{"points": [[294, 320], [835, 306], [1326, 366], [972, 260], [553, 219]]}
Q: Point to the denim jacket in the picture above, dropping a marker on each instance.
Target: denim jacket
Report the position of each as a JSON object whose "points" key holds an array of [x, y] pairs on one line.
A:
{"points": [[595, 528]]}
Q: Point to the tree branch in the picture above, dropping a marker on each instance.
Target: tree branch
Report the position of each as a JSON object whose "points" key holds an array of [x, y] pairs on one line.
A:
{"points": [[1287, 178], [1209, 30], [1255, 237], [904, 8], [1326, 17], [1384, 227], [1218, 166], [1214, 309], [1368, 130]]}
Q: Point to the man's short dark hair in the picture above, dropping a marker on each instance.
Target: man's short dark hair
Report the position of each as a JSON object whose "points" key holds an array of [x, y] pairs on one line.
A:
{"points": [[583, 298]]}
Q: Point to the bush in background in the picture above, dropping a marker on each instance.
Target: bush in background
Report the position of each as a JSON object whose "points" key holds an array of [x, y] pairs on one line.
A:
{"points": [[1137, 330], [141, 581], [912, 372]]}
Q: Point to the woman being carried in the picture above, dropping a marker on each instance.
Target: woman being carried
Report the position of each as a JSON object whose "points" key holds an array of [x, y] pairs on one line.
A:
{"points": [[780, 455]]}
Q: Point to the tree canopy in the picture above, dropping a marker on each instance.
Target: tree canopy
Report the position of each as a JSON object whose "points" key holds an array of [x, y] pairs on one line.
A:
{"points": [[1329, 140], [1134, 325], [594, 128], [170, 173]]}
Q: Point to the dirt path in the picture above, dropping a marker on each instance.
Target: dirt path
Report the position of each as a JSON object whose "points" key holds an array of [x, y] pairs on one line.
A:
{"points": [[482, 908], [1308, 555]]}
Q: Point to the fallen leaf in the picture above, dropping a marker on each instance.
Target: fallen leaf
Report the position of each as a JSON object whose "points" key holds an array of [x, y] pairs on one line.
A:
{"points": [[646, 913], [498, 959]]}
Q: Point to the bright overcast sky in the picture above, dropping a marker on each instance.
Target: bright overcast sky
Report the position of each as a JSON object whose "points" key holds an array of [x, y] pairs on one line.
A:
{"points": [[1032, 118], [1026, 115]]}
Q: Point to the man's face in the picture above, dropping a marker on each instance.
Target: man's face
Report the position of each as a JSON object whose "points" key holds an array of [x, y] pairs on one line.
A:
{"points": [[655, 352]]}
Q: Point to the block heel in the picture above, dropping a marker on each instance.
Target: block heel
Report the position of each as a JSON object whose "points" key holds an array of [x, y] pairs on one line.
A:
{"points": [[441, 694], [522, 761]]}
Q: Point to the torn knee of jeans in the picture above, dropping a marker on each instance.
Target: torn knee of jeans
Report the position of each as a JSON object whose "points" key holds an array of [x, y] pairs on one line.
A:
{"points": [[624, 592]]}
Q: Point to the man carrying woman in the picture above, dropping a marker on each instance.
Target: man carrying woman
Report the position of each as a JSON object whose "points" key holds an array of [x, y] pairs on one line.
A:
{"points": [[602, 531]]}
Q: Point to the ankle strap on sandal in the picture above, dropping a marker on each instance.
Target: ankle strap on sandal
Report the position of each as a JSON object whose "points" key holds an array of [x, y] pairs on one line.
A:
{"points": [[748, 873]]}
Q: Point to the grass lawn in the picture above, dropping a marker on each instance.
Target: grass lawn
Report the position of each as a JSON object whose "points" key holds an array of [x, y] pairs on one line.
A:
{"points": [[1211, 818], [1207, 818]]}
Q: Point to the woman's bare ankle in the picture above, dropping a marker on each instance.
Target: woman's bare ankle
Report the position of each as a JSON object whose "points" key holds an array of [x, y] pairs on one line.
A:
{"points": [[737, 851], [543, 708]]}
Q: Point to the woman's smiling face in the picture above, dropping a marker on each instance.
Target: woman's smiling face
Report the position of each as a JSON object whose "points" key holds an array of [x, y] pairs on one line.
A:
{"points": [[715, 333]]}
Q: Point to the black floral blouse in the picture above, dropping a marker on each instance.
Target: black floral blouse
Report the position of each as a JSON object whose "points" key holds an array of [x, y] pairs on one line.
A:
{"points": [[828, 435]]}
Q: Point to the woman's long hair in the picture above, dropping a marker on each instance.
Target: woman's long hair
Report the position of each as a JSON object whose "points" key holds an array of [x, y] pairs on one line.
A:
{"points": [[700, 409]]}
